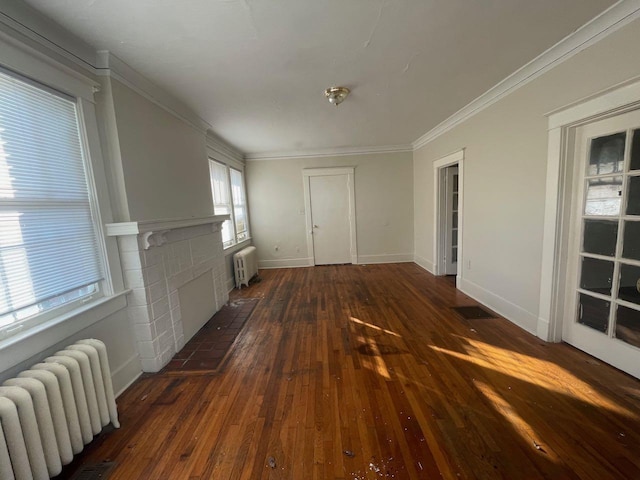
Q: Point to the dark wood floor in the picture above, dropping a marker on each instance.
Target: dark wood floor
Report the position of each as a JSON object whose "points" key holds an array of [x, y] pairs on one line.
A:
{"points": [[363, 372]]}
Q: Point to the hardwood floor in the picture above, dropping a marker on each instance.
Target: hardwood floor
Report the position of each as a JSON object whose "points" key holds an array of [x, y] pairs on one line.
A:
{"points": [[363, 372]]}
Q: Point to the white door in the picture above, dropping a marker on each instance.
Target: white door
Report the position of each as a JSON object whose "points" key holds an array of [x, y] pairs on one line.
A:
{"points": [[602, 308], [331, 227], [451, 221]]}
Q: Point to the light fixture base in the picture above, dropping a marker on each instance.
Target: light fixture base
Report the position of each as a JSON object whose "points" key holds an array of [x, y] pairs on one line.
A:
{"points": [[336, 95]]}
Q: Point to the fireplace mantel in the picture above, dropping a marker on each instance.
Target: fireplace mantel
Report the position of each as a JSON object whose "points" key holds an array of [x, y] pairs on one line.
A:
{"points": [[153, 231]]}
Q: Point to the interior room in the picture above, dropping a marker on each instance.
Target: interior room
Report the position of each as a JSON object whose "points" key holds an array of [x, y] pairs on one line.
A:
{"points": [[341, 239]]}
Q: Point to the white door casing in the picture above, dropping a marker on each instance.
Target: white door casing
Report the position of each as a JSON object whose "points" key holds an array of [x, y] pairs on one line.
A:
{"points": [[557, 302], [330, 215], [439, 216]]}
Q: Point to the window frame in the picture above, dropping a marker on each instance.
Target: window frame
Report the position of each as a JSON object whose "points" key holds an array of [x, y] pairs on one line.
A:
{"points": [[60, 323], [232, 220], [102, 286]]}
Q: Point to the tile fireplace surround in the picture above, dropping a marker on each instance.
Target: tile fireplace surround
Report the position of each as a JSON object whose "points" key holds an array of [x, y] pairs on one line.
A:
{"points": [[158, 258]]}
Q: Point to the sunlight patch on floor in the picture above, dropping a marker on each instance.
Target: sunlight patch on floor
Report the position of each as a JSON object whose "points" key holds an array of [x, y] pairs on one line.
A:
{"points": [[374, 327], [543, 374], [519, 425], [375, 361]]}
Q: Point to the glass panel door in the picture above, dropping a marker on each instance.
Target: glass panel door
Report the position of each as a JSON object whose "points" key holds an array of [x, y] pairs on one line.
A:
{"points": [[604, 315]]}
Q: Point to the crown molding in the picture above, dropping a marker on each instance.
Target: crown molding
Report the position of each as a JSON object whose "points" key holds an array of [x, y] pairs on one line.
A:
{"points": [[327, 152], [220, 149], [612, 19], [31, 27], [107, 64]]}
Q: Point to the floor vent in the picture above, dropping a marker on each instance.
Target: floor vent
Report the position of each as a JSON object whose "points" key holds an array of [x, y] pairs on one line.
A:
{"points": [[473, 313], [100, 471]]}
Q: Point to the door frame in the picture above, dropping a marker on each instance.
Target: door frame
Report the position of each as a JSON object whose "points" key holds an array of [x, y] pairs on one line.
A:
{"points": [[562, 125], [439, 217], [307, 173]]}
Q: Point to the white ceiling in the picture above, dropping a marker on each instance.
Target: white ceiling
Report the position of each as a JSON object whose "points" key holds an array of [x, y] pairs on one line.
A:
{"points": [[256, 70]]}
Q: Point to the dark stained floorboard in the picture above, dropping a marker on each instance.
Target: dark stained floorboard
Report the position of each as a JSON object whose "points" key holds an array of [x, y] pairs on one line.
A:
{"points": [[372, 361]]}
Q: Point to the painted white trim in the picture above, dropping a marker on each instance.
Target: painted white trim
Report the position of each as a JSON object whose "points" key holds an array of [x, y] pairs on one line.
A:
{"points": [[307, 173], [224, 151], [327, 152], [562, 125], [455, 158], [612, 19], [285, 263], [611, 101], [110, 65], [423, 263], [512, 312], [36, 65], [30, 27], [386, 258], [135, 228], [127, 373], [26, 344]]}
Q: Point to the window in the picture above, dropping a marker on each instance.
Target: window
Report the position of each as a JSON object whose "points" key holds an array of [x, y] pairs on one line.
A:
{"points": [[50, 260], [229, 201]]}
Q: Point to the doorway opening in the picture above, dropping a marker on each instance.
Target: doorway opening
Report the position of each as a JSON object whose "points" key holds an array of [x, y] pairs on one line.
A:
{"points": [[448, 215]]}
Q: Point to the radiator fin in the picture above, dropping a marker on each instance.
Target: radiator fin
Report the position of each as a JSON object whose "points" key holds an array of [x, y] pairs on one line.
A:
{"points": [[48, 413], [245, 265]]}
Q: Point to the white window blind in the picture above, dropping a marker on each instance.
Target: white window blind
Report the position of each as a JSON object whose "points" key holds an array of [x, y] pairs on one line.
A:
{"points": [[49, 254], [221, 200]]}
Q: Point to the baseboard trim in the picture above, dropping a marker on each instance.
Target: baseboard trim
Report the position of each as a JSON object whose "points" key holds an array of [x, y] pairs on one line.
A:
{"points": [[543, 330], [423, 263], [126, 374], [512, 312], [387, 258], [285, 263]]}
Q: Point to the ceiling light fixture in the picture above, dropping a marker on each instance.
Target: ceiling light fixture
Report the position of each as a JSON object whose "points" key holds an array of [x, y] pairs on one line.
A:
{"points": [[336, 95]]}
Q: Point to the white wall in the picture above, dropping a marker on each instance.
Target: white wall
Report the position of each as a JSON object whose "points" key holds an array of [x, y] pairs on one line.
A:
{"points": [[384, 207], [164, 160], [505, 167]]}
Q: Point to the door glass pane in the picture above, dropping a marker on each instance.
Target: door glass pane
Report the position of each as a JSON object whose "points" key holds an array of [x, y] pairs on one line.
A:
{"points": [[633, 202], [600, 237], [631, 248], [597, 275], [629, 289], [455, 183], [454, 254], [604, 196], [628, 325], [593, 312], [454, 237], [607, 154], [455, 201], [635, 151], [454, 220]]}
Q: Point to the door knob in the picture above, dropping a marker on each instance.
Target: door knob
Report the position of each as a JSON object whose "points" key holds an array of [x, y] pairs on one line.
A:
{"points": [[315, 226]]}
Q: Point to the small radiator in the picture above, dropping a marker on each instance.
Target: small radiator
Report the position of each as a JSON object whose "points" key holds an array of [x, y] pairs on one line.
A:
{"points": [[246, 265], [51, 411]]}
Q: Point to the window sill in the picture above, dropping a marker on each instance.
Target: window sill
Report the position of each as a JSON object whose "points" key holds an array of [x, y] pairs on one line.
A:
{"points": [[237, 246], [38, 339]]}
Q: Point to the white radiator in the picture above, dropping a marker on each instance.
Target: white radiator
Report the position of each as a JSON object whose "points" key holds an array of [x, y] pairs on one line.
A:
{"points": [[49, 412], [245, 265]]}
